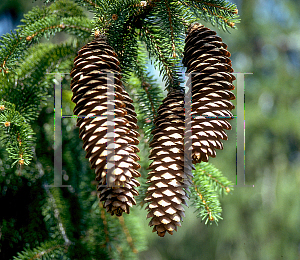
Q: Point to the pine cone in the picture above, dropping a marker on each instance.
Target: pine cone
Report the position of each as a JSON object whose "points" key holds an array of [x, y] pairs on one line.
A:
{"points": [[107, 130], [167, 178], [207, 57]]}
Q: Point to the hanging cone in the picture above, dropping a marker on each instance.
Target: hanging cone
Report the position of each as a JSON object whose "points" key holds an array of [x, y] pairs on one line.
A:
{"points": [[206, 56], [107, 124], [167, 177]]}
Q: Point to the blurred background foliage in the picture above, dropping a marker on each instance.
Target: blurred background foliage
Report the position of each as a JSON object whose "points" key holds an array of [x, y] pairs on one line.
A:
{"points": [[260, 222]]}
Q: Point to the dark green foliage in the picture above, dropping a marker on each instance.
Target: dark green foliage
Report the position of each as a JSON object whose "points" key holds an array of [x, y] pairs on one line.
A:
{"points": [[209, 184], [147, 93], [167, 17], [16, 134], [219, 12], [47, 250], [21, 214], [61, 16], [29, 88]]}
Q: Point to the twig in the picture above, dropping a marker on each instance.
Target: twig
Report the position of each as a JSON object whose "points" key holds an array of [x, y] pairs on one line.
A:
{"points": [[128, 236]]}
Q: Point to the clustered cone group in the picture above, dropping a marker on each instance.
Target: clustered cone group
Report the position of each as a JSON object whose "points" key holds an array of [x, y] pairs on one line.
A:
{"points": [[103, 104]]}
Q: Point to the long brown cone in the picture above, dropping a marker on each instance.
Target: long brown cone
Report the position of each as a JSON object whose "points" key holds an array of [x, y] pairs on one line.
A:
{"points": [[168, 180], [207, 59], [107, 124]]}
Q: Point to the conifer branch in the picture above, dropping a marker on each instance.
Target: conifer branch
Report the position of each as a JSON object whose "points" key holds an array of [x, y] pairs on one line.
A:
{"points": [[209, 213], [216, 6], [137, 18], [128, 236], [155, 47], [51, 25], [208, 183], [9, 42], [171, 28], [220, 11], [229, 23], [42, 22], [48, 249], [29, 87], [206, 202], [92, 3], [149, 93], [146, 87], [103, 217], [61, 8], [166, 48], [16, 134], [13, 45], [216, 178], [54, 197], [148, 84]]}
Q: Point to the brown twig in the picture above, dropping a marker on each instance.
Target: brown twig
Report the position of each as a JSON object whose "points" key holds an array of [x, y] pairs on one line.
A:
{"points": [[62, 26], [227, 189], [30, 37], [128, 236], [103, 217], [204, 202], [39, 255]]}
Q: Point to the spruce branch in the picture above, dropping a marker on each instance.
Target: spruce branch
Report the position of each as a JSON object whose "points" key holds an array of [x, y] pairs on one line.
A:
{"points": [[90, 4], [153, 47], [104, 221], [79, 26], [47, 250], [16, 134], [57, 206], [141, 11], [221, 12], [39, 23], [208, 184], [149, 94], [218, 5], [127, 234], [217, 180], [206, 202], [171, 27], [29, 87], [166, 48], [146, 87], [9, 43], [61, 8], [44, 58]]}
